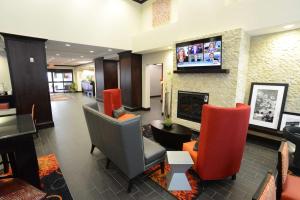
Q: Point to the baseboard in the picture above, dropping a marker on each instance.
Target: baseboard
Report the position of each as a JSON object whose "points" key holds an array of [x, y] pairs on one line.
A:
{"points": [[146, 109], [45, 125], [265, 139]]}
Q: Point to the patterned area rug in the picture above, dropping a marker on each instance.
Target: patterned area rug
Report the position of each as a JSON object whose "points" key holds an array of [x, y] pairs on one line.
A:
{"points": [[52, 180], [160, 179], [193, 179]]}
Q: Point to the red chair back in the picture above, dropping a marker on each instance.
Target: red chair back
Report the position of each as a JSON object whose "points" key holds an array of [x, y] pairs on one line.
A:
{"points": [[222, 140], [4, 106], [112, 100]]}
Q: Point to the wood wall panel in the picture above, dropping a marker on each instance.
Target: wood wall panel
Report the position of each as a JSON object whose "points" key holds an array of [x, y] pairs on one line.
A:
{"points": [[99, 76], [29, 79], [106, 73], [110, 74], [131, 79]]}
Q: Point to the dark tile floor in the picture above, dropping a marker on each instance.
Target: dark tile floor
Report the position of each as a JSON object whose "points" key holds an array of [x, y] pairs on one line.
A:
{"points": [[88, 179]]}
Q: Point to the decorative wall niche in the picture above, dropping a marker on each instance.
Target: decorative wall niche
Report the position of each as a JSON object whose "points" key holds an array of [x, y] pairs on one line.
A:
{"points": [[161, 12]]}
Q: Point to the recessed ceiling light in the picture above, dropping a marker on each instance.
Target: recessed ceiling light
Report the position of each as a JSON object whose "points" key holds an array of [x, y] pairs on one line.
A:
{"points": [[109, 49], [58, 54], [72, 59], [289, 26], [81, 56], [91, 51], [68, 45]]}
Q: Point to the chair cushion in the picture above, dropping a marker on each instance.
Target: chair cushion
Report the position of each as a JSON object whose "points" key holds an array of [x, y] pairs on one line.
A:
{"points": [[119, 112], [152, 151], [15, 189], [290, 190], [126, 117], [189, 146], [285, 161]]}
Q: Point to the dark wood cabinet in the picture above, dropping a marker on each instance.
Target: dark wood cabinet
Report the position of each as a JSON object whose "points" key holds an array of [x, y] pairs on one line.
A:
{"points": [[131, 79], [28, 70], [106, 73]]}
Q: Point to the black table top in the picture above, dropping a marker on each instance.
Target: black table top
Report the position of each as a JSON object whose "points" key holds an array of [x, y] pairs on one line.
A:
{"points": [[17, 125], [176, 128]]}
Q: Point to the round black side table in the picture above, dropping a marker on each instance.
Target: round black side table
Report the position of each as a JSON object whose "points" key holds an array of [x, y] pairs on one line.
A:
{"points": [[173, 137]]}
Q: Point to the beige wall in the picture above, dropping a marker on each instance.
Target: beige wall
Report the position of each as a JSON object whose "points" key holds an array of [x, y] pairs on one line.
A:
{"points": [[106, 23], [275, 58], [195, 17]]}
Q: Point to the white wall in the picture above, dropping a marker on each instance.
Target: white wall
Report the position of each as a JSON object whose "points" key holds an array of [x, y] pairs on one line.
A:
{"points": [[107, 23], [206, 16], [4, 71], [155, 79]]}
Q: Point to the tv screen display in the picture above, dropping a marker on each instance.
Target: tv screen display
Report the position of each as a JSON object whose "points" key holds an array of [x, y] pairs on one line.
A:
{"points": [[204, 53]]}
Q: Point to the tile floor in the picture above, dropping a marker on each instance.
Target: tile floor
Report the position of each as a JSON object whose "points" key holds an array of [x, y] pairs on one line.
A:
{"points": [[88, 179]]}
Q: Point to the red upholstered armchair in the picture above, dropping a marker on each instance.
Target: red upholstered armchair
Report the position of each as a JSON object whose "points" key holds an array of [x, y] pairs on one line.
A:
{"points": [[112, 100], [221, 141]]}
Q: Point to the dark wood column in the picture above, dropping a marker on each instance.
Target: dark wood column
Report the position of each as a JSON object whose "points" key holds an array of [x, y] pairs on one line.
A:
{"points": [[131, 79], [99, 76], [106, 74], [28, 70]]}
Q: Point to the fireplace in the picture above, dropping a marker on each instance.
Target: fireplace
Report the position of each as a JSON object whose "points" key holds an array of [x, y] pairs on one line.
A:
{"points": [[190, 104]]}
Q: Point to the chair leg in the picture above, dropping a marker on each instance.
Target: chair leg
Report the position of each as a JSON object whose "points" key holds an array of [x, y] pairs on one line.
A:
{"points": [[107, 163], [5, 162], [129, 186], [92, 148], [233, 177], [13, 165], [162, 167]]}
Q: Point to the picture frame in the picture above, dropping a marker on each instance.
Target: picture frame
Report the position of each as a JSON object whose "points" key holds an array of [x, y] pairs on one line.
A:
{"points": [[267, 102], [289, 119]]}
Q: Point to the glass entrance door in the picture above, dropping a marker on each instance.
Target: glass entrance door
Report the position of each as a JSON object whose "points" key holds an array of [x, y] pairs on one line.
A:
{"points": [[60, 80]]}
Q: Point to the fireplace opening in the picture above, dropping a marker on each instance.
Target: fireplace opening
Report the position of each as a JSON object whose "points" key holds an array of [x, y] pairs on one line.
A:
{"points": [[190, 104]]}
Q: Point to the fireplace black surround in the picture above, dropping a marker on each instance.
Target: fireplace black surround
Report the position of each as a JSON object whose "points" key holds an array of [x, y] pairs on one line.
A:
{"points": [[190, 104]]}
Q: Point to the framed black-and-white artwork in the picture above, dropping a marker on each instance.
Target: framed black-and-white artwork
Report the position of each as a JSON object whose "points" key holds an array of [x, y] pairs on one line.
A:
{"points": [[267, 101], [290, 119]]}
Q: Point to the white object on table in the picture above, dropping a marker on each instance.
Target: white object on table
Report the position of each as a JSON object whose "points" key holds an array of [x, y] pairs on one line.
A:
{"points": [[7, 112], [180, 162]]}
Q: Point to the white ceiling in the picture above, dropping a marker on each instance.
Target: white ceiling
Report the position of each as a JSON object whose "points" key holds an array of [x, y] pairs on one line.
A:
{"points": [[71, 54]]}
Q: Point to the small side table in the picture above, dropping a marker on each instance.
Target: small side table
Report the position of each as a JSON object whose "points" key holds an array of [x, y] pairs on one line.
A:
{"points": [[180, 162]]}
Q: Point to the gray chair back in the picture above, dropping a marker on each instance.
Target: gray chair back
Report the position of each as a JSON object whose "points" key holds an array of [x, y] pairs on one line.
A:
{"points": [[120, 141]]}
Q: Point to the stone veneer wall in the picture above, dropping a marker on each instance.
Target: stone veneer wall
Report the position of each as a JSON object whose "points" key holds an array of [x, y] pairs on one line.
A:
{"points": [[276, 58], [223, 89], [243, 68]]}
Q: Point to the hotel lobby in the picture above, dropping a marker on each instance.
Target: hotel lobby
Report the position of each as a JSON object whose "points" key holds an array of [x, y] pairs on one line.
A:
{"points": [[150, 99]]}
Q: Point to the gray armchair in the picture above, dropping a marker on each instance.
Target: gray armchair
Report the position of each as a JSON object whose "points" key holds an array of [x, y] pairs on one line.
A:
{"points": [[122, 143]]}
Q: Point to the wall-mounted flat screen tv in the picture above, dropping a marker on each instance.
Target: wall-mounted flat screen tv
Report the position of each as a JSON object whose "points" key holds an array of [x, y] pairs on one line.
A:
{"points": [[200, 54]]}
